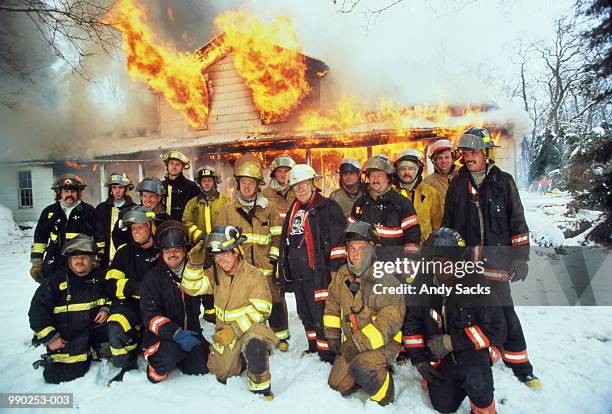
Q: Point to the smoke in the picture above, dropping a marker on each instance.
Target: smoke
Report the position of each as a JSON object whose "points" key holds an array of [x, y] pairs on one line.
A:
{"points": [[413, 53]]}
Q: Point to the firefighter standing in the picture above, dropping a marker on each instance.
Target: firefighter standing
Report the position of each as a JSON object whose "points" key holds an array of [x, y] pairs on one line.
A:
{"points": [[484, 206], [109, 210], [68, 313], [279, 193], [392, 215], [243, 303], [122, 284], [260, 223], [173, 336], [60, 222], [312, 249], [425, 199], [454, 339], [443, 160], [351, 186], [362, 323], [178, 188]]}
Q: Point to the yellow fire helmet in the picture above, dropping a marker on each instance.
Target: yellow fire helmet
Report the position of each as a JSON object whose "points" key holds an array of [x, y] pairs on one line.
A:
{"points": [[177, 155], [248, 169]]}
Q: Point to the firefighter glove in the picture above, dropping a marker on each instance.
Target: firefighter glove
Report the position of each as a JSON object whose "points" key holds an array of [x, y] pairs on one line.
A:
{"points": [[334, 345], [520, 269], [428, 372], [224, 336], [440, 345], [36, 272], [348, 350], [187, 340], [196, 254]]}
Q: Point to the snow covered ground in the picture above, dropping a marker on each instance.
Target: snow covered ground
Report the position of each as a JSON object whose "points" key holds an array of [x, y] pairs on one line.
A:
{"points": [[570, 347]]}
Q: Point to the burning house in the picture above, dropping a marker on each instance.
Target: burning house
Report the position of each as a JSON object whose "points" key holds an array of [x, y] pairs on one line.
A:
{"points": [[241, 93]]}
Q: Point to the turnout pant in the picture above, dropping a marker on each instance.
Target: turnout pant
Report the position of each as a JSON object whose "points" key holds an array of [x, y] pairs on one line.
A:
{"points": [[515, 348], [73, 361], [279, 318], [125, 333], [163, 356], [250, 352], [369, 370], [459, 381], [310, 295]]}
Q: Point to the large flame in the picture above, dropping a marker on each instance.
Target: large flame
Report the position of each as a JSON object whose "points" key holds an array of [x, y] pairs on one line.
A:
{"points": [[177, 75], [276, 75]]}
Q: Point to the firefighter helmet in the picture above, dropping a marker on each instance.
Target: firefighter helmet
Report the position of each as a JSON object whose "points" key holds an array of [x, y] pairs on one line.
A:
{"points": [[151, 185], [361, 230], [81, 244], [69, 181], [224, 238], [444, 242], [476, 139], [177, 155], [410, 155], [207, 171], [120, 179], [302, 172], [171, 233], [283, 160], [349, 165], [248, 169], [137, 215], [440, 145], [379, 162]]}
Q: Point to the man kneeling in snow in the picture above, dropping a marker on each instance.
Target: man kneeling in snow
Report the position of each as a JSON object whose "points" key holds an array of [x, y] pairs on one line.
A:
{"points": [[243, 302], [68, 313], [174, 336]]}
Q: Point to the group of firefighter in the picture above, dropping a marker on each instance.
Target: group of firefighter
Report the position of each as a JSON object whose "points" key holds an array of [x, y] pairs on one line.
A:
{"points": [[124, 279]]}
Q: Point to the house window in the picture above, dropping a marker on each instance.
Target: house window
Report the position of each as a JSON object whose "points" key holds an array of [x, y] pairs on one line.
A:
{"points": [[26, 199]]}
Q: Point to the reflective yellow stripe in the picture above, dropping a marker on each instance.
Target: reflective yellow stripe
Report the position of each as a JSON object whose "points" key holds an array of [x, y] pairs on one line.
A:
{"points": [[244, 323], [374, 335], [123, 351], [77, 307], [38, 247], [207, 219], [194, 281], [274, 252], [259, 386], [266, 272], [255, 238], [121, 320], [101, 244], [49, 215], [261, 305], [330, 321], [217, 347], [68, 359], [282, 335], [53, 236], [169, 200], [71, 235], [209, 311], [194, 232], [120, 286], [382, 391], [63, 286], [115, 274], [398, 337], [113, 220], [44, 332], [276, 230]]}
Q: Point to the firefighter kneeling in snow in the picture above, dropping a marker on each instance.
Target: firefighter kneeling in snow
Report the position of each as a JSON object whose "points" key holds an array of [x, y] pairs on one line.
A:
{"points": [[243, 303], [368, 320], [68, 313], [174, 336], [453, 339]]}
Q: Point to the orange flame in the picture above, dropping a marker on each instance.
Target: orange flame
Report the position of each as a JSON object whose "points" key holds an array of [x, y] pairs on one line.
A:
{"points": [[276, 75], [178, 76]]}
